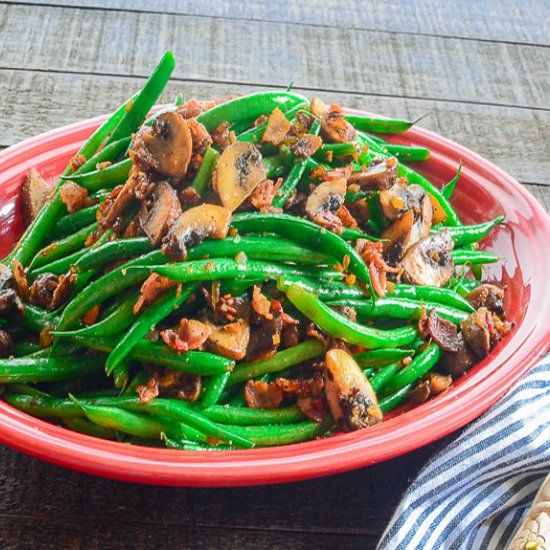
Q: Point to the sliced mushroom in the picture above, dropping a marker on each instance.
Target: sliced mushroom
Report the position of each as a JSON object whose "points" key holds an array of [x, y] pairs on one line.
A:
{"points": [[429, 261], [476, 333], [399, 198], [489, 296], [317, 107], [50, 291], [350, 397], [334, 126], [8, 294], [74, 196], [165, 210], [306, 145], [181, 385], [164, 147], [397, 237], [263, 395], [380, 175], [459, 362], [7, 344], [326, 197], [195, 225], [277, 127], [230, 340], [265, 338], [35, 193], [238, 172]]}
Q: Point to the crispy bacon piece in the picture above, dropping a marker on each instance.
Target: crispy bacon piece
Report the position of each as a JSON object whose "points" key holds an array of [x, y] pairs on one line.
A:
{"points": [[306, 145], [344, 172], [74, 196], [150, 390], [153, 287], [199, 135], [260, 304], [35, 193], [263, 395], [277, 128], [20, 280], [220, 135], [345, 216], [189, 197], [76, 162], [190, 334], [262, 197], [334, 126], [51, 291], [371, 252], [190, 109], [441, 331]]}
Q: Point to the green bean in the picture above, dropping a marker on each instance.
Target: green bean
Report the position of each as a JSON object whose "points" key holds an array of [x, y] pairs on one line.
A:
{"points": [[145, 99], [36, 318], [378, 124], [243, 416], [468, 234], [63, 247], [112, 250], [400, 308], [106, 154], [448, 189], [417, 368], [26, 348], [295, 175], [375, 212], [329, 290], [85, 426], [343, 328], [201, 181], [109, 285], [407, 153], [274, 166], [336, 150], [395, 399], [352, 233], [307, 233], [255, 134], [214, 389], [156, 353], [140, 379], [146, 321], [304, 351], [383, 376], [186, 445], [121, 374], [45, 369], [43, 225], [75, 221], [250, 106], [283, 434], [58, 267], [381, 357], [473, 257], [439, 295], [104, 178]]}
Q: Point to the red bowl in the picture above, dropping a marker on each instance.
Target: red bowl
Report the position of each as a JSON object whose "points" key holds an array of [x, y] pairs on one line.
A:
{"points": [[483, 193]]}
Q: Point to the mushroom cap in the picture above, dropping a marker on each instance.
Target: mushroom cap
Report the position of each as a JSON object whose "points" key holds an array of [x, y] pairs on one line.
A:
{"points": [[326, 196]]}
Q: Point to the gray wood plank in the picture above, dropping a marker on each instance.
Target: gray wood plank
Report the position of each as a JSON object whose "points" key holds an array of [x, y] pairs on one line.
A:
{"points": [[268, 53], [33, 102], [500, 20]]}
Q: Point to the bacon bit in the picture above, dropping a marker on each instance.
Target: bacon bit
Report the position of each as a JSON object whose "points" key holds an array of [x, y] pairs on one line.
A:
{"points": [[21, 283], [260, 120], [441, 331], [422, 323], [103, 165], [338, 173], [407, 361], [317, 107], [318, 172], [290, 335], [227, 307], [345, 215], [150, 390], [190, 198], [306, 145], [261, 304], [191, 334], [63, 290], [263, 395], [315, 409], [277, 128], [74, 196], [334, 126], [190, 109], [329, 155], [220, 135], [302, 123], [287, 319], [351, 279], [76, 162], [232, 137], [371, 252], [153, 287], [329, 220], [91, 315], [199, 136], [262, 197]]}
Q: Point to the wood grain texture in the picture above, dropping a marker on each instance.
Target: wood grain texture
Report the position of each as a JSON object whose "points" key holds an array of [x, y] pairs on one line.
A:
{"points": [[503, 20], [209, 49], [45, 101]]}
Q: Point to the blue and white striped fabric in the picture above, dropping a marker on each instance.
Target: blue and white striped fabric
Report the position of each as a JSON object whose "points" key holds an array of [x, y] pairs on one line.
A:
{"points": [[475, 492]]}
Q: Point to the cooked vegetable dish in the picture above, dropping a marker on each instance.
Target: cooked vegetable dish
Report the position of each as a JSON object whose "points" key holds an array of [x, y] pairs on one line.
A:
{"points": [[238, 273]]}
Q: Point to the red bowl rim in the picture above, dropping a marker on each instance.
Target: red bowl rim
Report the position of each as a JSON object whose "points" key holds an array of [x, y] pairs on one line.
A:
{"points": [[342, 452]]}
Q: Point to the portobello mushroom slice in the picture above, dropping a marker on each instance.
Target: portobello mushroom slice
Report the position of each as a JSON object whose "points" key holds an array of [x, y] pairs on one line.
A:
{"points": [[379, 175], [165, 210], [429, 261], [326, 198], [350, 397], [35, 193], [229, 340], [239, 170], [195, 225], [164, 147]]}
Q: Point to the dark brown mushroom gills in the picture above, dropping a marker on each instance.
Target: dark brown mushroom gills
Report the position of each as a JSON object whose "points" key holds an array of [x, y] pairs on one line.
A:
{"points": [[328, 196]]}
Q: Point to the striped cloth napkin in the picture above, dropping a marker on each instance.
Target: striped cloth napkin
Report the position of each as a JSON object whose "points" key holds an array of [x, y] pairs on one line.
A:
{"points": [[475, 492]]}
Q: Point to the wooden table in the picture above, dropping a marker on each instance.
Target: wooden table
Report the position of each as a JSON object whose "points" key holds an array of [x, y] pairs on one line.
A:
{"points": [[480, 70]]}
